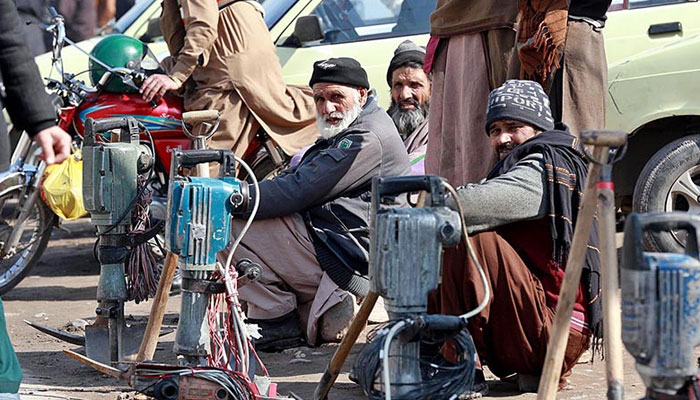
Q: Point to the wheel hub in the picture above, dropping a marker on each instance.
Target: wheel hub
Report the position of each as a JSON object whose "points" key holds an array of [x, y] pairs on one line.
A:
{"points": [[684, 196]]}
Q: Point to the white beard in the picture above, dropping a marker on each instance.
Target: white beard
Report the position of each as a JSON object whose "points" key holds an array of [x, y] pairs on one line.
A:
{"points": [[328, 131]]}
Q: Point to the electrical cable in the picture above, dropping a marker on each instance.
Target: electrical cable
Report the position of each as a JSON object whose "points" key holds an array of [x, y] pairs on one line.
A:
{"points": [[253, 212], [142, 269], [385, 356], [234, 384], [238, 323], [472, 254], [440, 379]]}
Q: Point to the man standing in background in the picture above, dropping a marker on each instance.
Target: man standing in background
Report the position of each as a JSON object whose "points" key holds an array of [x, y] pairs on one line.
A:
{"points": [[468, 54], [568, 60], [80, 17]]}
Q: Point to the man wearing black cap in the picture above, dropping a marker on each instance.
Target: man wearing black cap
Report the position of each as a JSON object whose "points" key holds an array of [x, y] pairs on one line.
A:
{"points": [[311, 234], [410, 98], [521, 219]]}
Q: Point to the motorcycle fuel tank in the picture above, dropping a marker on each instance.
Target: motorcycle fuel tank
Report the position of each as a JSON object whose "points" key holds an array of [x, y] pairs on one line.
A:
{"points": [[163, 121]]}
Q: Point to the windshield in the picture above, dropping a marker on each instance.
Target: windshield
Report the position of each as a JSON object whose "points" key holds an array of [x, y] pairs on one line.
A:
{"points": [[274, 10], [131, 16]]}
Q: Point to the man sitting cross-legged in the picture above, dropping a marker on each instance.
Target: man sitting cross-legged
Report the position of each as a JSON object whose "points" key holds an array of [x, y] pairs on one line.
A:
{"points": [[311, 233]]}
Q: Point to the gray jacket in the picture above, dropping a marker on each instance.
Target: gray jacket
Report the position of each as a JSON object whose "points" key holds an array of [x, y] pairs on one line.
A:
{"points": [[330, 187], [517, 195]]}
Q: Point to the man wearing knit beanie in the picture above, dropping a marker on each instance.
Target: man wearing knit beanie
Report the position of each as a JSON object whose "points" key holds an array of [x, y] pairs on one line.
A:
{"points": [[521, 221], [521, 106], [410, 98]]}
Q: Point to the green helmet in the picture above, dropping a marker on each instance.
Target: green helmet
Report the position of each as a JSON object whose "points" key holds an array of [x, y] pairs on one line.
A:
{"points": [[116, 51]]}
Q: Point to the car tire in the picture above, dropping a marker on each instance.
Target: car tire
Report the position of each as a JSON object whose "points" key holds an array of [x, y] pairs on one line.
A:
{"points": [[670, 181]]}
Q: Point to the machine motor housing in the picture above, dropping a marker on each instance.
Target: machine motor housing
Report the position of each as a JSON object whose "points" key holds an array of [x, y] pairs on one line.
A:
{"points": [[200, 209], [661, 302]]}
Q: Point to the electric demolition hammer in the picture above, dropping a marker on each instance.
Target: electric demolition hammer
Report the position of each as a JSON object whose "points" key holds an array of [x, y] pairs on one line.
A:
{"points": [[199, 227], [111, 190], [661, 305], [406, 247]]}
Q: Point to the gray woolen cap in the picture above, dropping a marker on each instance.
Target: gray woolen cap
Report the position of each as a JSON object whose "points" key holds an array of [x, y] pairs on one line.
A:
{"points": [[520, 100], [407, 52]]}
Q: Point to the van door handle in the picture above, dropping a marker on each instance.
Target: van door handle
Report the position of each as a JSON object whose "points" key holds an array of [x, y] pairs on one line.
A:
{"points": [[668, 27]]}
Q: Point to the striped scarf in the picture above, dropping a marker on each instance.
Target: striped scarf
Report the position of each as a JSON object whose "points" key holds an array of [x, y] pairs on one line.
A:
{"points": [[541, 36]]}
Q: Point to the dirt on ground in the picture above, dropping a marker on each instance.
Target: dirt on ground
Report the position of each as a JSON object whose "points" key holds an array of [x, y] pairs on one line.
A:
{"points": [[60, 293]]}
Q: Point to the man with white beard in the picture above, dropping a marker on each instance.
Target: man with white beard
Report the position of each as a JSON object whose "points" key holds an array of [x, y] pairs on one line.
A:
{"points": [[410, 98], [311, 231]]}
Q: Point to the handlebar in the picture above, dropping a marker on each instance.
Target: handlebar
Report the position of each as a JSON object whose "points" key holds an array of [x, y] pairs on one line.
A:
{"points": [[57, 28]]}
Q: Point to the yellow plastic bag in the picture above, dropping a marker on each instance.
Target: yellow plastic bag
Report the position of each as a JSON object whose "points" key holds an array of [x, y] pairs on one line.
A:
{"points": [[62, 188]]}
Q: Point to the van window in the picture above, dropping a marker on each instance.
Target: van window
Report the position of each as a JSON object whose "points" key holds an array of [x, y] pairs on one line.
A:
{"points": [[356, 20], [653, 3]]}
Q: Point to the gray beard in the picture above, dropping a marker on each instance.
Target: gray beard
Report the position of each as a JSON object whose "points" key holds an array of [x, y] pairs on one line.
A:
{"points": [[407, 121], [327, 130]]}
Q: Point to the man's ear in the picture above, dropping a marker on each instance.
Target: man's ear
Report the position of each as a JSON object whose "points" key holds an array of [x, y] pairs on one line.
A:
{"points": [[363, 95]]}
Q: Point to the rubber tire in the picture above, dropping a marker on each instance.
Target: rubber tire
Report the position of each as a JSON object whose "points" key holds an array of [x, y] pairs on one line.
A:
{"points": [[266, 169], [46, 221], [655, 181]]}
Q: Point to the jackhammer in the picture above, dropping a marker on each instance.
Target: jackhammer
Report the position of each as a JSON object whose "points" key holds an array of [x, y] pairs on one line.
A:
{"points": [[405, 253], [114, 176], [661, 305], [199, 226], [213, 346], [111, 190]]}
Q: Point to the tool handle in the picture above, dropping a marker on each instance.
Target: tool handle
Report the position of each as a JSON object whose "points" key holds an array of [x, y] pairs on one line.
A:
{"points": [[125, 124], [604, 138], [637, 224], [107, 124], [384, 187], [193, 117], [191, 158], [155, 318], [341, 353], [612, 320], [441, 323]]}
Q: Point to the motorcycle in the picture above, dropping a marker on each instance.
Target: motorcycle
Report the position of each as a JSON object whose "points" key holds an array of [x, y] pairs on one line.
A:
{"points": [[26, 222]]}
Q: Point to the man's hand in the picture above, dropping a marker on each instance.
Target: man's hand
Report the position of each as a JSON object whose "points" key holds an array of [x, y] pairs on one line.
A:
{"points": [[55, 144], [156, 85]]}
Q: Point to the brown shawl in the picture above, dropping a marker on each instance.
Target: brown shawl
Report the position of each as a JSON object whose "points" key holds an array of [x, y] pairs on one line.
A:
{"points": [[541, 36]]}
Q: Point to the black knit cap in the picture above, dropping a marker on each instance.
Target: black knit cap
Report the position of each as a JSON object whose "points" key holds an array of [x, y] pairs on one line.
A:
{"points": [[523, 101], [342, 70], [407, 52]]}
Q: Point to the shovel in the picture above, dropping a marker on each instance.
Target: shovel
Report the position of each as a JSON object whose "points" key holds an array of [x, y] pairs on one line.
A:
{"points": [[100, 348]]}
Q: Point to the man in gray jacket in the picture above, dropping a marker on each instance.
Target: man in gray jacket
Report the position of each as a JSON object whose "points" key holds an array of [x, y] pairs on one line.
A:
{"points": [[311, 234]]}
